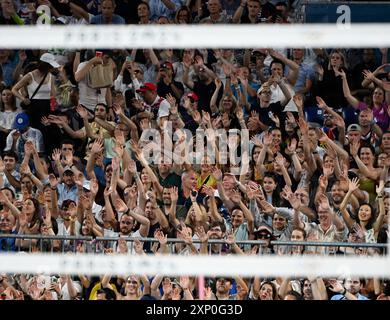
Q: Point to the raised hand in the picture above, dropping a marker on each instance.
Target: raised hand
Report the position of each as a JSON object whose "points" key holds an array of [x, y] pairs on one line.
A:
{"points": [[353, 184], [218, 82], [328, 170], [266, 206], [235, 197], [323, 182], [201, 233], [292, 146], [174, 194], [53, 181], [354, 148], [97, 146], [368, 75], [380, 188], [162, 239], [45, 121], [230, 239], [217, 173], [280, 160], [339, 72], [56, 155], [79, 179], [83, 113], [321, 103], [94, 186]]}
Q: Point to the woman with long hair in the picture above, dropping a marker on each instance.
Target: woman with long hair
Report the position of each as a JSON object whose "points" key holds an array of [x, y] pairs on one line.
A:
{"points": [[8, 113], [365, 221]]}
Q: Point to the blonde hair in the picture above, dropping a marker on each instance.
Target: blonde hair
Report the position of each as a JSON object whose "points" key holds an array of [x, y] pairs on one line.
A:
{"points": [[234, 103], [343, 59]]}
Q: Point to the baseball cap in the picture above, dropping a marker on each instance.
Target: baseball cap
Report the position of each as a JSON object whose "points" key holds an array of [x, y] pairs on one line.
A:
{"points": [[166, 65], [354, 127], [49, 58], [21, 121], [262, 88], [87, 184], [147, 86], [263, 227], [193, 96], [68, 170]]}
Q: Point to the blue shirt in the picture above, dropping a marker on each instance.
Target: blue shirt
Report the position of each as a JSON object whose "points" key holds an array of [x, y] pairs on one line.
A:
{"points": [[341, 297], [8, 244], [100, 20], [158, 9], [65, 193]]}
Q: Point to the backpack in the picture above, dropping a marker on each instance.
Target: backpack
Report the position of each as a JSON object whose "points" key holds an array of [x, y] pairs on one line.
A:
{"points": [[100, 76]]}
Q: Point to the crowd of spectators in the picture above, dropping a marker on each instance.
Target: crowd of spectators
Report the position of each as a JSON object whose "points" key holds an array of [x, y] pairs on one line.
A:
{"points": [[76, 157]]}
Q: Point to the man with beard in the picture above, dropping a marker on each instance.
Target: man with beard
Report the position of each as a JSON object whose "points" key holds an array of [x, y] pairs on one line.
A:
{"points": [[349, 291], [216, 232], [370, 130]]}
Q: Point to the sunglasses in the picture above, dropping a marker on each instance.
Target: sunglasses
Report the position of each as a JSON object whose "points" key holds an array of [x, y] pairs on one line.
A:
{"points": [[137, 71], [263, 236], [132, 281]]}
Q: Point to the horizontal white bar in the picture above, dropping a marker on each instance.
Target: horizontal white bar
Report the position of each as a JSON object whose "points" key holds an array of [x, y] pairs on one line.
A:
{"points": [[196, 36], [266, 266]]}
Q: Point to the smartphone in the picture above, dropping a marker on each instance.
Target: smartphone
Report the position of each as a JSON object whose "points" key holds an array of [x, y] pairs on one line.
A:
{"points": [[129, 59], [270, 114], [99, 54]]}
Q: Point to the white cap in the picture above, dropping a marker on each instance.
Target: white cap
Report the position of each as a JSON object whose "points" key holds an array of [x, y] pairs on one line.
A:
{"points": [[87, 184], [49, 58]]}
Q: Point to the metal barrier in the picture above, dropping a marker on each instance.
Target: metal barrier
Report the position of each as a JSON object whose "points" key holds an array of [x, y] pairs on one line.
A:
{"points": [[43, 243]]}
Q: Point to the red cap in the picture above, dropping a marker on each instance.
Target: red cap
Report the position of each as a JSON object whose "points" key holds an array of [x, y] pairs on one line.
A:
{"points": [[193, 96], [166, 64], [147, 86]]}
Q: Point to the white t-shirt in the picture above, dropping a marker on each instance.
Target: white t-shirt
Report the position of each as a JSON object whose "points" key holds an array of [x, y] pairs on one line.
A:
{"points": [[65, 291], [89, 97], [7, 119]]}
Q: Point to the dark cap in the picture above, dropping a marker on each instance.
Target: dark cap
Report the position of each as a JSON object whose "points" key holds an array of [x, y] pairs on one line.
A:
{"points": [[225, 278], [21, 121]]}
